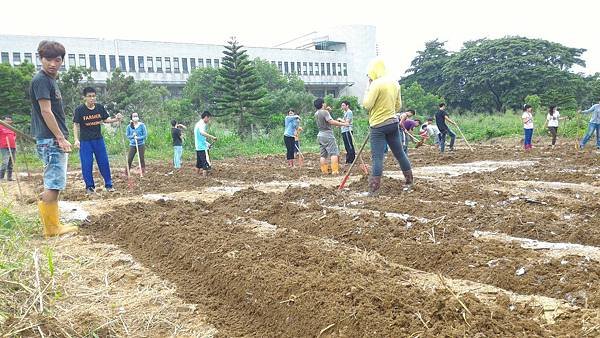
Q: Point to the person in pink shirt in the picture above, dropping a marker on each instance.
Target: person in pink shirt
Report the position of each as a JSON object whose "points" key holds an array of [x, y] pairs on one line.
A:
{"points": [[8, 149]]}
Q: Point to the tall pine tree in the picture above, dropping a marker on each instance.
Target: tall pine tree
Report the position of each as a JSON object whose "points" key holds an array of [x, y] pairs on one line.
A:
{"points": [[241, 90]]}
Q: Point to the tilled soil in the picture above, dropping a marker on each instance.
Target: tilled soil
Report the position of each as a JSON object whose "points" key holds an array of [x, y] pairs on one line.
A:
{"points": [[316, 261]]}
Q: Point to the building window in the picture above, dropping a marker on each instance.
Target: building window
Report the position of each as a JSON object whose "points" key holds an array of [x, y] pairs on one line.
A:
{"points": [[286, 67], [298, 69], [72, 62], [184, 65], [5, 57], [200, 63], [216, 63], [112, 61], [150, 64], [304, 68], [93, 63], [322, 68], [16, 58], [38, 63], [208, 63], [339, 72], [168, 64], [328, 68], [141, 66], [158, 64], [122, 63], [280, 66], [316, 68], [102, 63], [192, 64], [28, 58], [293, 67], [131, 63], [345, 69], [82, 60], [176, 65], [310, 68]]}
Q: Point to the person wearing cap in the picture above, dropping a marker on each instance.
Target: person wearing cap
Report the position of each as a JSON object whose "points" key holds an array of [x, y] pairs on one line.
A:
{"points": [[8, 149]]}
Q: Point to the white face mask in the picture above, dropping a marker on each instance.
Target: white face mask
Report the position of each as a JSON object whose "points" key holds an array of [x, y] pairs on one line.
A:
{"points": [[135, 119]]}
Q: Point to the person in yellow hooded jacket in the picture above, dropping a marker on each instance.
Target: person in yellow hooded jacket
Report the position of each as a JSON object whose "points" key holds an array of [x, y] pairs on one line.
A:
{"points": [[382, 100]]}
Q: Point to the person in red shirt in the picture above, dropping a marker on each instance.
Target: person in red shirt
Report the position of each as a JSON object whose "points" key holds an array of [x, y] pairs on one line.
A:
{"points": [[7, 146]]}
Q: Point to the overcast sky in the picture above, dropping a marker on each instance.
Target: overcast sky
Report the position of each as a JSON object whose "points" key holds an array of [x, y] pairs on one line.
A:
{"points": [[402, 28]]}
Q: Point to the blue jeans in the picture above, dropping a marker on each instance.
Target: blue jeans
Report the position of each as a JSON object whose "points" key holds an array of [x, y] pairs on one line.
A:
{"points": [[379, 137], [55, 163], [177, 152], [588, 134], [88, 149], [442, 139], [528, 137]]}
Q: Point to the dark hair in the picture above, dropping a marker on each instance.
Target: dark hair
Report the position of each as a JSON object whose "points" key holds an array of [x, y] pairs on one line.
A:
{"points": [[319, 102], [291, 110], [526, 106], [346, 103], [173, 123], [418, 121], [131, 117], [442, 105], [430, 119], [205, 113], [51, 49], [88, 90], [411, 111], [551, 110]]}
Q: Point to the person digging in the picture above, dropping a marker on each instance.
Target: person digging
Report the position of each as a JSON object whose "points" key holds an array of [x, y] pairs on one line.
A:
{"points": [[327, 144]]}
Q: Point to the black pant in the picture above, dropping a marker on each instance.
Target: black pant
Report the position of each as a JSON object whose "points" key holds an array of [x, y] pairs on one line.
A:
{"points": [[290, 146], [132, 152], [201, 161], [350, 154], [553, 131]]}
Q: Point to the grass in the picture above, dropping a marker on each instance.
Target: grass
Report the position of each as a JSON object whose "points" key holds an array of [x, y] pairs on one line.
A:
{"points": [[476, 127]]}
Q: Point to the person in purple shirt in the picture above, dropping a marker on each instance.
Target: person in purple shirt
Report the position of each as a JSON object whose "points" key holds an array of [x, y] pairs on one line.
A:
{"points": [[406, 127]]}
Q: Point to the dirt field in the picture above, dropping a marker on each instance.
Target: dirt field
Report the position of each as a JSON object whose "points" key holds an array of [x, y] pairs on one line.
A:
{"points": [[495, 242]]}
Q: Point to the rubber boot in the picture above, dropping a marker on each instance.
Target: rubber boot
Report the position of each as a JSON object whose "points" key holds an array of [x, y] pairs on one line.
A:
{"points": [[374, 185], [9, 175], [51, 222], [408, 176], [335, 168], [325, 169]]}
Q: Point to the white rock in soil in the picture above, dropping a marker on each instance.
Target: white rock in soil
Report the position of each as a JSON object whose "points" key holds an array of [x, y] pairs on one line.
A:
{"points": [[520, 272]]}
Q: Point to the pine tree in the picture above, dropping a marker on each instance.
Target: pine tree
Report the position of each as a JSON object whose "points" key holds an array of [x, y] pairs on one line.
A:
{"points": [[241, 91]]}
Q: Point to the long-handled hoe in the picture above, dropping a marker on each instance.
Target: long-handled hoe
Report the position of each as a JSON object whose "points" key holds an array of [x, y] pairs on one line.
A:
{"points": [[363, 166], [463, 137], [137, 148], [353, 162], [300, 156], [129, 180]]}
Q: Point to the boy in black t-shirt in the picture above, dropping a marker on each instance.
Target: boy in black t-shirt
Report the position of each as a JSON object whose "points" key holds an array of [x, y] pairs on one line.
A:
{"points": [[441, 117], [177, 135], [87, 121]]}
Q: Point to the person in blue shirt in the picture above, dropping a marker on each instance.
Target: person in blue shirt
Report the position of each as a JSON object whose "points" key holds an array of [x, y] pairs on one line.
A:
{"points": [[201, 143], [136, 133], [594, 126], [292, 122]]}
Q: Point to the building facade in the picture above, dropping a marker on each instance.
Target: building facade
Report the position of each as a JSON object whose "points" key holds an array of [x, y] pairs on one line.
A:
{"points": [[332, 62]]}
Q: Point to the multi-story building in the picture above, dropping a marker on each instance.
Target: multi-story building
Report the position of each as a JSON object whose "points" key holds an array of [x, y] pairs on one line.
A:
{"points": [[332, 62]]}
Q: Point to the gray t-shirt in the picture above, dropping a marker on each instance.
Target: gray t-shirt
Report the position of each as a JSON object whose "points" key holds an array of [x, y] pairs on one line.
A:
{"points": [[348, 117], [45, 87], [323, 117]]}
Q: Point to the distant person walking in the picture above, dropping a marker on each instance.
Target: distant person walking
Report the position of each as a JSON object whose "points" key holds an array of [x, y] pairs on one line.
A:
{"points": [[441, 117], [594, 125], [347, 132], [292, 123], [552, 120], [382, 101], [137, 135], [8, 149], [177, 136], [527, 118]]}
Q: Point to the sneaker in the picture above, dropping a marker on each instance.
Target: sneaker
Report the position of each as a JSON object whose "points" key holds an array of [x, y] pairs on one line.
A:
{"points": [[90, 191], [111, 189]]}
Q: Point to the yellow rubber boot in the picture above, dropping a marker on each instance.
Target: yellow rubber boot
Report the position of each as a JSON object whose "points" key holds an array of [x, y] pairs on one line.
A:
{"points": [[51, 221], [335, 168], [325, 169]]}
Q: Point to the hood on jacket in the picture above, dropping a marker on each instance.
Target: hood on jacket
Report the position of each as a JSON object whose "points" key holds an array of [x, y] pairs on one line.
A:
{"points": [[376, 69]]}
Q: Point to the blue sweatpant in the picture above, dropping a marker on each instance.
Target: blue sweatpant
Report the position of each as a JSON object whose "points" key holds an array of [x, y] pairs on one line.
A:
{"points": [[87, 151]]}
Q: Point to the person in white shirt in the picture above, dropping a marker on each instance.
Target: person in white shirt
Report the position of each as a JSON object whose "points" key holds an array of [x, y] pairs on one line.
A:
{"points": [[552, 122], [527, 118]]}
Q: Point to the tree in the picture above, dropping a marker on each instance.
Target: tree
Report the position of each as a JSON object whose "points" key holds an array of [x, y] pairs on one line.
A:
{"points": [[14, 89], [71, 84], [200, 89], [427, 67], [240, 89], [415, 97], [125, 95]]}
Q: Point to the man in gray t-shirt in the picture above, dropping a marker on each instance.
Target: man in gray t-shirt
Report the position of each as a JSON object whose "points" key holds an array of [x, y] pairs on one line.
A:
{"points": [[327, 145], [347, 133]]}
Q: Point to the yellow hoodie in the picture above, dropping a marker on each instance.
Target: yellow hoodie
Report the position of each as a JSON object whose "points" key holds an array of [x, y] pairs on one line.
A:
{"points": [[382, 99]]}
